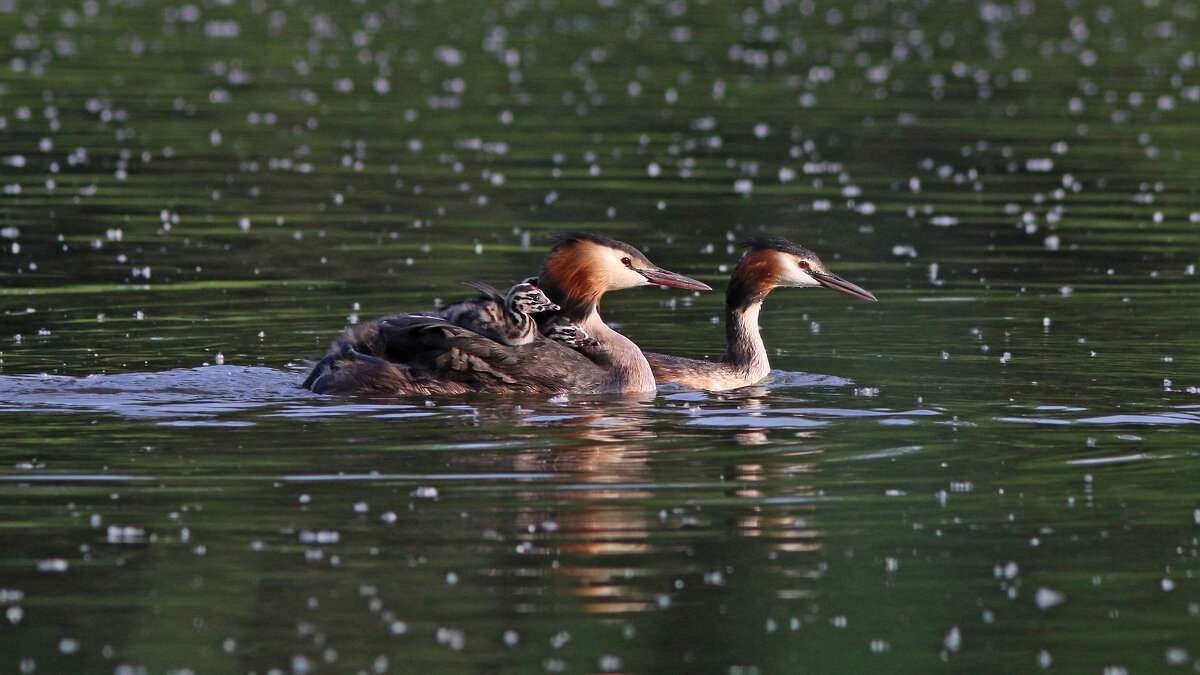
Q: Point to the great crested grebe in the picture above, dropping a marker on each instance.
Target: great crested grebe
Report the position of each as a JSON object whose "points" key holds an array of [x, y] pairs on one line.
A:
{"points": [[423, 354], [502, 317], [770, 263]]}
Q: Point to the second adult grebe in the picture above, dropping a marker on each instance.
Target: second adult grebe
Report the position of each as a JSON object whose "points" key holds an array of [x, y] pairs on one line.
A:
{"points": [[770, 263]]}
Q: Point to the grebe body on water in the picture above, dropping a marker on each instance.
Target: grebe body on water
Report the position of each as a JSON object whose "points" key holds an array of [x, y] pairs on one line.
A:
{"points": [[770, 263], [423, 354]]}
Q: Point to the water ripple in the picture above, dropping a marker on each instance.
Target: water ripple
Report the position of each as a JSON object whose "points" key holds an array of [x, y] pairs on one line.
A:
{"points": [[181, 393]]}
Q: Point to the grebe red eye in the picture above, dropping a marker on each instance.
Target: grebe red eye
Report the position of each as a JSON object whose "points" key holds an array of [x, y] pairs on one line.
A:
{"points": [[626, 261], [803, 264]]}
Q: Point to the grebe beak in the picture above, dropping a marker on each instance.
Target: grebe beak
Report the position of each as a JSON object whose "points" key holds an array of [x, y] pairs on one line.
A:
{"points": [[835, 283], [657, 275]]}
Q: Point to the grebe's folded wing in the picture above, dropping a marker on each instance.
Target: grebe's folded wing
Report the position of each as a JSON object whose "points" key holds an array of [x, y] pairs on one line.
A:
{"points": [[437, 349]]}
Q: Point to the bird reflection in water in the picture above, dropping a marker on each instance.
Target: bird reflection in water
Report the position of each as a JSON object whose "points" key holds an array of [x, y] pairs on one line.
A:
{"points": [[627, 532]]}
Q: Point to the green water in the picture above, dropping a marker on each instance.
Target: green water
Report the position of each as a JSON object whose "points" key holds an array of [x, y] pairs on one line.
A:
{"points": [[993, 468]]}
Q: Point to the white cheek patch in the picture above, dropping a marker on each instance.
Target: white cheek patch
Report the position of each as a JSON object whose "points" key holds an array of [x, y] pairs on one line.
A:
{"points": [[794, 275], [628, 278]]}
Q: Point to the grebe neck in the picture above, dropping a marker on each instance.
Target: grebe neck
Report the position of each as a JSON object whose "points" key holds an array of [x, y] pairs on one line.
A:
{"points": [[744, 348]]}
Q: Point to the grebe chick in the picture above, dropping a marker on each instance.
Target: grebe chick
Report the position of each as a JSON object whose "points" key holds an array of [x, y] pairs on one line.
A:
{"points": [[567, 332], [770, 263], [428, 355], [504, 318]]}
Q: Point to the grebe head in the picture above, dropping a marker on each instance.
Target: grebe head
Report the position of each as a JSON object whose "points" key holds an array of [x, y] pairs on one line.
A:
{"points": [[773, 262], [526, 298], [582, 267]]}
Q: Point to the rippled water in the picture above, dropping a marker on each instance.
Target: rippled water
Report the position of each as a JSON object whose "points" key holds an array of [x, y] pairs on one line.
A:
{"points": [[992, 468]]}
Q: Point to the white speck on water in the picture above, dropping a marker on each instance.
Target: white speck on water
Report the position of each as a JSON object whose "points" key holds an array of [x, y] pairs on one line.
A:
{"points": [[52, 565], [1044, 660], [452, 638], [654, 170], [129, 534], [943, 221], [425, 492], [1005, 357], [1009, 570], [511, 638], [319, 536], [1045, 598], [14, 614], [361, 507], [1176, 656], [448, 55], [879, 646], [901, 250], [743, 186], [451, 578], [1167, 585], [559, 639], [68, 645], [953, 640]]}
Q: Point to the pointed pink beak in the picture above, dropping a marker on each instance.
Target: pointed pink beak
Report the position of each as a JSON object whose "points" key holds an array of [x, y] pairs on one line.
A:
{"points": [[663, 277], [835, 283]]}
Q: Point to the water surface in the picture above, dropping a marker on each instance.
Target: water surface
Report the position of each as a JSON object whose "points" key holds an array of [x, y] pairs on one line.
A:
{"points": [[993, 467]]}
